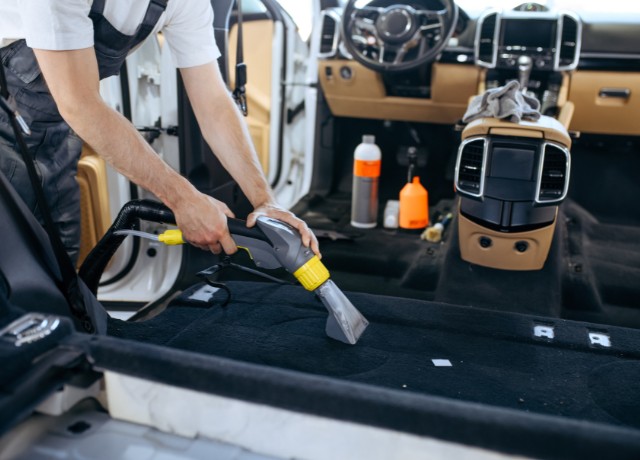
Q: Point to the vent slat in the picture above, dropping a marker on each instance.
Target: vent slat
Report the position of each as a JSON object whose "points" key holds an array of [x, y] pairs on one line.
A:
{"points": [[328, 35], [470, 171], [485, 42], [554, 174], [568, 41]]}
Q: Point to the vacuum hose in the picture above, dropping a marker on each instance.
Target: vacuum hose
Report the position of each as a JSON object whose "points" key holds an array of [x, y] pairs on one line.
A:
{"points": [[128, 219], [271, 244]]}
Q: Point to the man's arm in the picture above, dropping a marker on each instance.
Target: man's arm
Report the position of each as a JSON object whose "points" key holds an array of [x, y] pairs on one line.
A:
{"points": [[72, 77], [227, 135]]}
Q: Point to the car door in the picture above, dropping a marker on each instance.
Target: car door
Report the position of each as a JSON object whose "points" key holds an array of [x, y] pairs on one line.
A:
{"points": [[280, 77], [149, 92]]}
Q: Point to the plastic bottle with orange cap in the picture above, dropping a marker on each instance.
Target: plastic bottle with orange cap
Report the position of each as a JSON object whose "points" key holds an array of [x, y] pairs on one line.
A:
{"points": [[366, 175], [413, 213]]}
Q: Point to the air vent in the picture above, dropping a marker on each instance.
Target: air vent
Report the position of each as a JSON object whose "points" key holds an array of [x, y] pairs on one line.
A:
{"points": [[553, 179], [486, 50], [329, 34], [569, 42], [470, 167]]}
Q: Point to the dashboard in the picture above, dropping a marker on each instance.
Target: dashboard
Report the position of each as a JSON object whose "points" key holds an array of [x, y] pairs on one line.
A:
{"points": [[589, 59]]}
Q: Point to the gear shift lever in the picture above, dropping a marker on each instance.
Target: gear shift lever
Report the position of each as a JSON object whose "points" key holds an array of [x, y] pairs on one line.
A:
{"points": [[525, 64]]}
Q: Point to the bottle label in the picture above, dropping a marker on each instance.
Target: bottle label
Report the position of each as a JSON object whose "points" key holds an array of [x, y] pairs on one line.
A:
{"points": [[363, 168]]}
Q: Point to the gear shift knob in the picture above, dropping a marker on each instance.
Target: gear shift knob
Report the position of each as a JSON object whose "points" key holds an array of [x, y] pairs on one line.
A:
{"points": [[525, 64]]}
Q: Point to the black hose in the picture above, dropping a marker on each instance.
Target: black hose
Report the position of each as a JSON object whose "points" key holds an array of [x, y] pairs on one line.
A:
{"points": [[128, 219]]}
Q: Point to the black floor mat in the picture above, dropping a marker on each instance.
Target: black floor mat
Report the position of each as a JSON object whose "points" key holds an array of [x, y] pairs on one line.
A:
{"points": [[417, 346], [592, 272]]}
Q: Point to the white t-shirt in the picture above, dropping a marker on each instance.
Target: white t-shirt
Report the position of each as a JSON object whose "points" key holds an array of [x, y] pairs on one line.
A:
{"points": [[187, 25]]}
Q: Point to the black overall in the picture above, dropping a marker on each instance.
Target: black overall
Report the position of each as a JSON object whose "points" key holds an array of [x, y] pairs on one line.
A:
{"points": [[55, 148]]}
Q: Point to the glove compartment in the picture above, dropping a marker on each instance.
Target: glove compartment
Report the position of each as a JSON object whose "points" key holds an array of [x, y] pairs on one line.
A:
{"points": [[605, 102]]}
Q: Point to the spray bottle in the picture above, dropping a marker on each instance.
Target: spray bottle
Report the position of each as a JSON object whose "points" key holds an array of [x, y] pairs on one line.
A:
{"points": [[366, 174], [414, 199]]}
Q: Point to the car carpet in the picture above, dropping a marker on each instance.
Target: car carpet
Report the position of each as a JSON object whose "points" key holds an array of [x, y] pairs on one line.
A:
{"points": [[601, 269], [604, 177], [535, 292], [591, 273], [398, 263], [488, 357], [280, 326]]}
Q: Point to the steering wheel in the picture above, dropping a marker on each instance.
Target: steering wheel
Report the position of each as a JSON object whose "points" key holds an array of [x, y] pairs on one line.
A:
{"points": [[398, 37]]}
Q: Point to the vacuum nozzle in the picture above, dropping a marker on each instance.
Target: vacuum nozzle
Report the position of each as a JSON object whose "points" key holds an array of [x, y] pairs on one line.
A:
{"points": [[345, 323]]}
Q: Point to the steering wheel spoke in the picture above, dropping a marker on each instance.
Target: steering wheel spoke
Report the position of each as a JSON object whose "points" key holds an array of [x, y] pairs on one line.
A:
{"points": [[364, 36], [431, 20], [371, 10], [432, 14], [416, 40], [366, 25], [390, 54]]}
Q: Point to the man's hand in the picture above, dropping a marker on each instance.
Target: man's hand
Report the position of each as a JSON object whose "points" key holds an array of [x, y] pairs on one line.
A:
{"points": [[203, 221], [276, 212]]}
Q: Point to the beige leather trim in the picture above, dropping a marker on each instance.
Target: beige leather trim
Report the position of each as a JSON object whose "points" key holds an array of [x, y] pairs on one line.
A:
{"points": [[605, 115], [95, 218], [563, 95], [364, 95], [258, 53], [514, 132], [545, 128], [566, 114], [482, 83], [502, 253]]}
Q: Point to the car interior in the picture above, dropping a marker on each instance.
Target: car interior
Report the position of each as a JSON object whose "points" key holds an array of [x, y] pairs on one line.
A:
{"points": [[514, 332], [591, 269]]}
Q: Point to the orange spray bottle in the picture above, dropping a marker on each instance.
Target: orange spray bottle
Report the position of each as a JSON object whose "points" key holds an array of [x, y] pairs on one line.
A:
{"points": [[414, 199]]}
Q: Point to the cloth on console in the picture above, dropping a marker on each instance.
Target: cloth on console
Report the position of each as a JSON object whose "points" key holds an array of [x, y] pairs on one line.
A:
{"points": [[504, 102]]}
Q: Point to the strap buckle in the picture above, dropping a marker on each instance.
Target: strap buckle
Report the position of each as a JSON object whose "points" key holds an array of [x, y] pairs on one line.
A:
{"points": [[241, 100], [10, 109]]}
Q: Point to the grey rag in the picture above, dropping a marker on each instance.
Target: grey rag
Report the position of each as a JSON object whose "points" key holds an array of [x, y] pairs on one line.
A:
{"points": [[504, 102]]}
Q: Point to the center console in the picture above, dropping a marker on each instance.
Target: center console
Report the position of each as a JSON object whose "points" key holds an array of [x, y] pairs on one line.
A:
{"points": [[511, 177]]}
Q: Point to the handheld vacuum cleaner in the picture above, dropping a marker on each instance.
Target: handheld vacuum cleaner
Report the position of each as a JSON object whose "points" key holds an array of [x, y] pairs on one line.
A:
{"points": [[274, 244]]}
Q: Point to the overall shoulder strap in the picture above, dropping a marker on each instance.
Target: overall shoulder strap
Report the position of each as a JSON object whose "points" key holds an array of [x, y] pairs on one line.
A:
{"points": [[239, 93], [97, 7], [151, 18]]}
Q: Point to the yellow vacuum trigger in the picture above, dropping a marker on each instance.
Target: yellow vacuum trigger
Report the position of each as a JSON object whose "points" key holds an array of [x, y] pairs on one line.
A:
{"points": [[171, 237]]}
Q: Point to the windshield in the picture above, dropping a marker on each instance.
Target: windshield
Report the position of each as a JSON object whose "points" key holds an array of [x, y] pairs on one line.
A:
{"points": [[611, 6], [302, 12]]}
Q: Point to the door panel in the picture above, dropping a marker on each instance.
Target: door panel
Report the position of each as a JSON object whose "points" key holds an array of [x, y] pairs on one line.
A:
{"points": [[258, 56], [95, 218]]}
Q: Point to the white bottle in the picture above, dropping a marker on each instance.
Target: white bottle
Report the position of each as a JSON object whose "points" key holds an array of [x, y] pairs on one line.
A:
{"points": [[366, 174], [390, 215]]}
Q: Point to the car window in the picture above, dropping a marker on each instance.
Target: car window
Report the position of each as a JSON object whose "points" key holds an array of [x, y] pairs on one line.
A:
{"points": [[302, 13], [575, 5], [253, 7]]}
